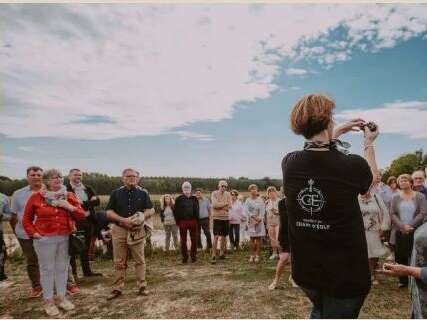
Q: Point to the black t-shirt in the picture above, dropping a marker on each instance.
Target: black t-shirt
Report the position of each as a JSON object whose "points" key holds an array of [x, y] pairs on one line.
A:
{"points": [[326, 233], [126, 202]]}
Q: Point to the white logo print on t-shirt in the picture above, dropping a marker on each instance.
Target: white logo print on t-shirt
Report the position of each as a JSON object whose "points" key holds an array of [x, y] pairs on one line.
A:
{"points": [[311, 199]]}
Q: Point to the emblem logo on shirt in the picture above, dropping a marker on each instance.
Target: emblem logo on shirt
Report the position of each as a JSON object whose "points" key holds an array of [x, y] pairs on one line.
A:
{"points": [[311, 199]]}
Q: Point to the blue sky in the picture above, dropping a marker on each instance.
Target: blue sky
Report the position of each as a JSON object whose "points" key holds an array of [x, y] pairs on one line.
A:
{"points": [[201, 90]]}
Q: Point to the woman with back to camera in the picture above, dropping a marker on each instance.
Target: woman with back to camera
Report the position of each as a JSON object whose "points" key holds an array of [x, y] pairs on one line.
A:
{"points": [[326, 231]]}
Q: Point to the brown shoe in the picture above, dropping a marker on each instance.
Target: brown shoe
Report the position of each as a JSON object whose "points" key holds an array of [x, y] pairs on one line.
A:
{"points": [[72, 289], [114, 294], [36, 292], [142, 292]]}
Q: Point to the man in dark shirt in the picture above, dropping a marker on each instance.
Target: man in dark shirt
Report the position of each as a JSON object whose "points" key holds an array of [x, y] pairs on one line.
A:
{"points": [[186, 214], [125, 204], [86, 228], [326, 232]]}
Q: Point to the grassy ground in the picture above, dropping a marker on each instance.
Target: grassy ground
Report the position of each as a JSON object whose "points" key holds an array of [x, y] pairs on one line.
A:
{"points": [[231, 289]]}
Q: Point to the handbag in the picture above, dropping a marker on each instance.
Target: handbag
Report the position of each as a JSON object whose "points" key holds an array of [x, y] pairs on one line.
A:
{"points": [[75, 246]]}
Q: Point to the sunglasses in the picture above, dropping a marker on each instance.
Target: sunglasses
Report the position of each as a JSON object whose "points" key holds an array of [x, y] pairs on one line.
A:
{"points": [[224, 186]]}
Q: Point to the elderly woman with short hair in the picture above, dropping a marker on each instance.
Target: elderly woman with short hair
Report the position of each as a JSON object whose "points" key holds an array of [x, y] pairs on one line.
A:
{"points": [[49, 218], [406, 212]]}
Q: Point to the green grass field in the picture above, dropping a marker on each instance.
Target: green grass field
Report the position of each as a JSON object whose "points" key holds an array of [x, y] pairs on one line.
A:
{"points": [[231, 289]]}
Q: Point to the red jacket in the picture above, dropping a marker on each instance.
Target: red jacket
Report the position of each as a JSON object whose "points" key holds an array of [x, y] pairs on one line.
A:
{"points": [[48, 220]]}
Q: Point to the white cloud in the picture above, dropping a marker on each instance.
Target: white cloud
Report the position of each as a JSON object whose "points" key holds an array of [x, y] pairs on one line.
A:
{"points": [[401, 117], [296, 72], [26, 148], [193, 135], [151, 70]]}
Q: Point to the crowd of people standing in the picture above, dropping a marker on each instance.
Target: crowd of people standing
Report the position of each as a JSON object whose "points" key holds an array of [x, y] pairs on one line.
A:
{"points": [[333, 221]]}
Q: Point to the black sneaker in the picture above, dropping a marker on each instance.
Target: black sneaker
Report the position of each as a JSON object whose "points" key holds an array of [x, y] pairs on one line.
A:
{"points": [[3, 277], [213, 260], [184, 261], [193, 260], [114, 294], [222, 257], [142, 292]]}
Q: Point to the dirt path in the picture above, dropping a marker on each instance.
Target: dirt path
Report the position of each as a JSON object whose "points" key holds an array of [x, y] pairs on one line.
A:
{"points": [[230, 289]]}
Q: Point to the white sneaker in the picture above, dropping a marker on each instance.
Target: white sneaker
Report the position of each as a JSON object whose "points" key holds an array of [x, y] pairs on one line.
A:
{"points": [[251, 259], [51, 309], [294, 285], [256, 259], [272, 257], [66, 305], [273, 285]]}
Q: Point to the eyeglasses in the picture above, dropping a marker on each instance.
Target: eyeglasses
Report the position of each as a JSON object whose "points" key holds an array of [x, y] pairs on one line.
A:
{"points": [[223, 186], [57, 177], [131, 176]]}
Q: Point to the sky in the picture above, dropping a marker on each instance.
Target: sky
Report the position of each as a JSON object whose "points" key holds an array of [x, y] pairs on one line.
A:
{"points": [[202, 90]]}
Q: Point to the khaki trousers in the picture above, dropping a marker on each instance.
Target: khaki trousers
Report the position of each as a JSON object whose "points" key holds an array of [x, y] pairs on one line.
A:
{"points": [[120, 257]]}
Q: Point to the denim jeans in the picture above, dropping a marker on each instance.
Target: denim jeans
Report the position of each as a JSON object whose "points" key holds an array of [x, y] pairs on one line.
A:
{"points": [[52, 254], [328, 307]]}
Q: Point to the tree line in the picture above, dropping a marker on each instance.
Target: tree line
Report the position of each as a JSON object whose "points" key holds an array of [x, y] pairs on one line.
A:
{"points": [[104, 184]]}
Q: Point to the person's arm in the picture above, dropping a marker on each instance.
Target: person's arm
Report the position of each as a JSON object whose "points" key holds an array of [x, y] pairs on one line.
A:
{"points": [[241, 211], [283, 227], [73, 206], [148, 207], [420, 211], [196, 208], [385, 216], [216, 204], [14, 207], [399, 270], [93, 200], [6, 213], [112, 214], [176, 210], [28, 218], [368, 144], [394, 213], [162, 215], [209, 210]]}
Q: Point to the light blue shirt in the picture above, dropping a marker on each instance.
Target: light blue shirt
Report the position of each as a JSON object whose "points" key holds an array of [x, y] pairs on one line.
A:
{"points": [[406, 211], [204, 208], [5, 212], [19, 200]]}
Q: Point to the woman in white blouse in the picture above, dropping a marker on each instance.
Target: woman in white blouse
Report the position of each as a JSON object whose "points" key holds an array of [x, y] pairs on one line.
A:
{"points": [[376, 219]]}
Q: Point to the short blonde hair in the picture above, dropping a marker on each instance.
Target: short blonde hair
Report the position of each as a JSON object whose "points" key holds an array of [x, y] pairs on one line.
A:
{"points": [[311, 115], [52, 172], [404, 176], [251, 186]]}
